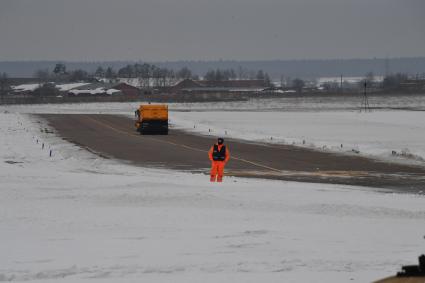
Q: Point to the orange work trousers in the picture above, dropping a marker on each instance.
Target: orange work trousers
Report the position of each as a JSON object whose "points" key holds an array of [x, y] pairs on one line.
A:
{"points": [[217, 169]]}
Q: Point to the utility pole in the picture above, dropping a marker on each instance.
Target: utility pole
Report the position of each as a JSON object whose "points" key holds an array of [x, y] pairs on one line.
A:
{"points": [[365, 100]]}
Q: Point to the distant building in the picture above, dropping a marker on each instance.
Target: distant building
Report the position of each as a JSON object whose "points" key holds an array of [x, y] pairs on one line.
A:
{"points": [[203, 86], [126, 89]]}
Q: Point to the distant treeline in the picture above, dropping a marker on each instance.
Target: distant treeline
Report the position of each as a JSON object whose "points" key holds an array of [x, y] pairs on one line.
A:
{"points": [[275, 69], [147, 75]]}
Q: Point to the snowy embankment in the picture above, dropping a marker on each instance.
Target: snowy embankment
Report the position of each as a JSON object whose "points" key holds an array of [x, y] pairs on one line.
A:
{"points": [[390, 135], [75, 217]]}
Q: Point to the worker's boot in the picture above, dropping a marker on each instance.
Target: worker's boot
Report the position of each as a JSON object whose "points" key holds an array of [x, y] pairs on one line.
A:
{"points": [[212, 179], [220, 179]]}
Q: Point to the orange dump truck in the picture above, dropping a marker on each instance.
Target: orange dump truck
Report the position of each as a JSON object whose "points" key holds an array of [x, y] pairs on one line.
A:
{"points": [[152, 119]]}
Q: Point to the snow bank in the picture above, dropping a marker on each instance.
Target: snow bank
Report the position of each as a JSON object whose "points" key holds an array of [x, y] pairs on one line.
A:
{"points": [[99, 90], [67, 87], [112, 91], [392, 135], [351, 80], [281, 104], [25, 87], [75, 217]]}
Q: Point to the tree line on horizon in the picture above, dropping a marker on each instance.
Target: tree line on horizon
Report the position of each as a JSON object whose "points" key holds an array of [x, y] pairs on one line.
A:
{"points": [[148, 75], [305, 68]]}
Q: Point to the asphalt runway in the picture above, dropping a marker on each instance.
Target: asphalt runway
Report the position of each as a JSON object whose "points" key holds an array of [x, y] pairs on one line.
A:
{"points": [[407, 279], [115, 137]]}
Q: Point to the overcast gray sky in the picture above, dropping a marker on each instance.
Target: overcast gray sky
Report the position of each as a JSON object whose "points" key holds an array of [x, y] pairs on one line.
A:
{"points": [[159, 30]]}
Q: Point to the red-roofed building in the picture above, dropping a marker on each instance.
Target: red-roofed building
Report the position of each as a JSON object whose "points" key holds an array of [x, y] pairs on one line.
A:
{"points": [[127, 89]]}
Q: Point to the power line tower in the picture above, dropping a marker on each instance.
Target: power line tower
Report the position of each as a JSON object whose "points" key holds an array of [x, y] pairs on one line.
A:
{"points": [[365, 101]]}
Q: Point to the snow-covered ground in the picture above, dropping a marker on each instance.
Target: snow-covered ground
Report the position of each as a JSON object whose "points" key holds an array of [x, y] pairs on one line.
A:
{"points": [[75, 217], [67, 87], [284, 103], [378, 133], [351, 80], [61, 87], [322, 123], [26, 87]]}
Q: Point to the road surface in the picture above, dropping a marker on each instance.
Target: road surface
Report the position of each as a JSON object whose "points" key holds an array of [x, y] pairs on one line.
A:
{"points": [[113, 136], [420, 279]]}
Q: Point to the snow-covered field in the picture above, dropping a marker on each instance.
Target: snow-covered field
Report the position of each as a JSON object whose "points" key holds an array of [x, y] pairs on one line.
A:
{"points": [[322, 123], [377, 133], [75, 217]]}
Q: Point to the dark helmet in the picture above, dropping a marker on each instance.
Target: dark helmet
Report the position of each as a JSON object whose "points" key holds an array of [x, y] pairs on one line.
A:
{"points": [[220, 140]]}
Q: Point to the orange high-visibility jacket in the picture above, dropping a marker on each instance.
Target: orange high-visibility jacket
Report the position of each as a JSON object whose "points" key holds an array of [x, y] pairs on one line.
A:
{"points": [[210, 152]]}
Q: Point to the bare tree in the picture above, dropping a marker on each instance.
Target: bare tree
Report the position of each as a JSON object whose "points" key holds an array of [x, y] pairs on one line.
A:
{"points": [[393, 81], [43, 76], [4, 86], [100, 72], [171, 78], [260, 75], [110, 73], [282, 80], [210, 75], [149, 75], [78, 75], [145, 74], [184, 73], [156, 76], [220, 75], [298, 84], [242, 73], [60, 72], [267, 80], [370, 78]]}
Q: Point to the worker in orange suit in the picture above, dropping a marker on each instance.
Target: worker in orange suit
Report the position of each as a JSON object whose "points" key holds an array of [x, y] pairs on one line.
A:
{"points": [[219, 155]]}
